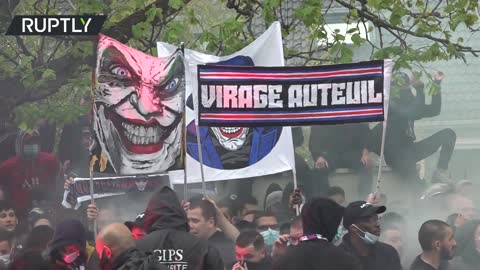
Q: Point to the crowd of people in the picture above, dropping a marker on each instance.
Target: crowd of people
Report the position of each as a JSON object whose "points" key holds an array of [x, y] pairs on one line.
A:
{"points": [[313, 226]]}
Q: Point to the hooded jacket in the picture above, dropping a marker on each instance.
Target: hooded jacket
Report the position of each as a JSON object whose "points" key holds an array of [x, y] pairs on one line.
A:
{"points": [[468, 258], [24, 178], [402, 113], [168, 237], [319, 216], [134, 259]]}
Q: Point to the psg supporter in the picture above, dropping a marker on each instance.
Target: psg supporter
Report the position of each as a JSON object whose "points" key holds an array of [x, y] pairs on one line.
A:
{"points": [[116, 249], [251, 252], [321, 218], [361, 241], [167, 230], [438, 245], [29, 173]]}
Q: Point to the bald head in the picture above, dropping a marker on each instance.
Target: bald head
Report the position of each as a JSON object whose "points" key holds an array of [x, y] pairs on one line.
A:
{"points": [[116, 237]]}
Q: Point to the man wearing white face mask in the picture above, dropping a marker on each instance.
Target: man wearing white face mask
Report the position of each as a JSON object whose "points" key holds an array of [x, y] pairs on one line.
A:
{"points": [[361, 220], [6, 247], [29, 174]]}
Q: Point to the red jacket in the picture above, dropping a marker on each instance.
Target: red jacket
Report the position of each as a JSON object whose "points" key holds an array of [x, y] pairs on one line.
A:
{"points": [[19, 177]]}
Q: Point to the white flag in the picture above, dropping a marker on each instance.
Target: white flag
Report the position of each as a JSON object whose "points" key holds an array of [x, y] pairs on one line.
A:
{"points": [[233, 153]]}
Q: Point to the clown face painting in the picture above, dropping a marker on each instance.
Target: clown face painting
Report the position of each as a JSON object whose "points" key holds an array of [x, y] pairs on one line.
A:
{"points": [[231, 138], [138, 109], [231, 148]]}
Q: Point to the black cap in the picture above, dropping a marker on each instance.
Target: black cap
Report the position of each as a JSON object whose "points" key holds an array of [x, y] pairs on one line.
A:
{"points": [[359, 210], [137, 223]]}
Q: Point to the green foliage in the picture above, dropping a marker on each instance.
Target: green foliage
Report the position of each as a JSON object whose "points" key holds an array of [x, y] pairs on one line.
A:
{"points": [[173, 33], [209, 26], [175, 4]]}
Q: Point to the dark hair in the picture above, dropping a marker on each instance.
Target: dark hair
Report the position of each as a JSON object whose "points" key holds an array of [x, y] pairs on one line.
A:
{"points": [[6, 205], [195, 198], [261, 214], [39, 237], [39, 213], [234, 206], [6, 236], [296, 222], [250, 237], [244, 225], [285, 228], [335, 191], [322, 216], [250, 200], [254, 212], [208, 209], [430, 231]]}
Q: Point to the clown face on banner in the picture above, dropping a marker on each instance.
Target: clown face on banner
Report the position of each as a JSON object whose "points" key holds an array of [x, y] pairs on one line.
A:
{"points": [[138, 110]]}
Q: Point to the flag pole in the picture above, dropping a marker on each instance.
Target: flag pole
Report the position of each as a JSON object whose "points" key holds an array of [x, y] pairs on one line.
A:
{"points": [[199, 143], [92, 201], [185, 181], [295, 185], [380, 162], [387, 66], [184, 159], [200, 157], [294, 172]]}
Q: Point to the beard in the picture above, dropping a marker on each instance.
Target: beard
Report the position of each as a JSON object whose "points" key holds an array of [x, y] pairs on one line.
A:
{"points": [[446, 254]]}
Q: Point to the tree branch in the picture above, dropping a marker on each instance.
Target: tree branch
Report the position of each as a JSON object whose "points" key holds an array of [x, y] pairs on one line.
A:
{"points": [[67, 66], [389, 27], [8, 57]]}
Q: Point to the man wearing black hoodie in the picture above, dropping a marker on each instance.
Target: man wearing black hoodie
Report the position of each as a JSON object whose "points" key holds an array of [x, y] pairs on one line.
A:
{"points": [[402, 151], [321, 218], [168, 238], [68, 249]]}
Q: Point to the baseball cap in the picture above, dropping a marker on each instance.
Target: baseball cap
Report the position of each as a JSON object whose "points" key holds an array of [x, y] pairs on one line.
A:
{"points": [[359, 210], [138, 222]]}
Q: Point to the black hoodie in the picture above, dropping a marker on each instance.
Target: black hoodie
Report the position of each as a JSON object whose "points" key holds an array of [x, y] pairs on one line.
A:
{"points": [[468, 258], [134, 259], [319, 216], [168, 237]]}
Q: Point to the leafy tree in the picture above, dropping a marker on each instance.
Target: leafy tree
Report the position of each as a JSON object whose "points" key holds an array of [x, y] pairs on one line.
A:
{"points": [[47, 76]]}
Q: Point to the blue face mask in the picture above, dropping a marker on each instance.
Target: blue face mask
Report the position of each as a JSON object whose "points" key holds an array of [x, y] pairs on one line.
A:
{"points": [[338, 235], [270, 236], [369, 239]]}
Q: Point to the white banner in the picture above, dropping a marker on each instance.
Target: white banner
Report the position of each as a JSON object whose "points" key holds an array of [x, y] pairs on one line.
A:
{"points": [[234, 152]]}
